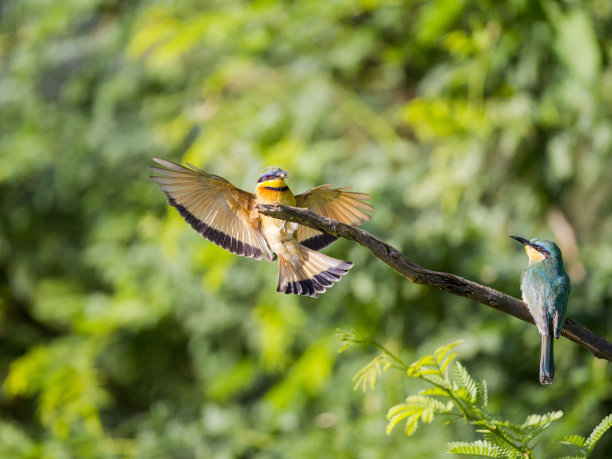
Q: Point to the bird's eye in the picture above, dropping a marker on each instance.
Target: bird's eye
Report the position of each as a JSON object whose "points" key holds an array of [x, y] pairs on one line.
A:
{"points": [[542, 250]]}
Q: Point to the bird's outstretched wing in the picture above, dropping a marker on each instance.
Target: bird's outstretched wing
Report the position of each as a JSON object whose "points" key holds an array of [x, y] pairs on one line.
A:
{"points": [[337, 203], [213, 207]]}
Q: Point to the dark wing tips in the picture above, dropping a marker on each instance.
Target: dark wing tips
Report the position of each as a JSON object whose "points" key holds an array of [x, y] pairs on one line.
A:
{"points": [[215, 236], [318, 283], [343, 267], [307, 287], [319, 241]]}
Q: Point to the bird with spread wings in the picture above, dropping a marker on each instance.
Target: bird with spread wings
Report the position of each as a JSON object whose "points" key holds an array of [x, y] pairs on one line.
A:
{"points": [[226, 216]]}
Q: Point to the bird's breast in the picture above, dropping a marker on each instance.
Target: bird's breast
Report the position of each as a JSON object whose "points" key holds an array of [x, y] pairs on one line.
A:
{"points": [[277, 232]]}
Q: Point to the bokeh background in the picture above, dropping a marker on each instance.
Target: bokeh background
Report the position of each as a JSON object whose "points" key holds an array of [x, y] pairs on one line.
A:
{"points": [[124, 333]]}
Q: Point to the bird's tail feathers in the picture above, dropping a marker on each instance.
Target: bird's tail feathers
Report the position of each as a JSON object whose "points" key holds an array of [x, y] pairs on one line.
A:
{"points": [[547, 364], [314, 275]]}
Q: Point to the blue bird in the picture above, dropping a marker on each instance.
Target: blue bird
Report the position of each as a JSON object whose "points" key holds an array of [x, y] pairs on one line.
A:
{"points": [[545, 287]]}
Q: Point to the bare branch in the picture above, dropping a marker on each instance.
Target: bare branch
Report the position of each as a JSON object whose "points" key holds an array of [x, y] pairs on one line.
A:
{"points": [[456, 285]]}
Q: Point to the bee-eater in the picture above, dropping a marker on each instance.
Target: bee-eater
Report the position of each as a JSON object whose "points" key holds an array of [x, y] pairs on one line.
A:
{"points": [[545, 287], [226, 216]]}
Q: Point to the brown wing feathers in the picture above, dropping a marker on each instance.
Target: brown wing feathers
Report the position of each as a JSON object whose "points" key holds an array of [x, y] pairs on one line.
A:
{"points": [[213, 207], [337, 203]]}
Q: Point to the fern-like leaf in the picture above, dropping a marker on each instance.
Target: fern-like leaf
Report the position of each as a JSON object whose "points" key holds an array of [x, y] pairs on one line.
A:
{"points": [[398, 413], [482, 394], [416, 368], [415, 408], [366, 377], [447, 361], [466, 382], [576, 440], [536, 423], [434, 391], [513, 431], [537, 420], [441, 352], [476, 448], [411, 425], [507, 450], [598, 432], [436, 380]]}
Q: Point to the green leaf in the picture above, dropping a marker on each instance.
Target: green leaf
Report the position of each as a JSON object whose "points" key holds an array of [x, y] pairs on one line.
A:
{"points": [[576, 440], [482, 394], [442, 351], [506, 449], [415, 367], [427, 415], [411, 425], [466, 382], [477, 448], [598, 432], [434, 391], [414, 408], [366, 377], [447, 361], [436, 379], [395, 415], [539, 420], [536, 423], [511, 430]]}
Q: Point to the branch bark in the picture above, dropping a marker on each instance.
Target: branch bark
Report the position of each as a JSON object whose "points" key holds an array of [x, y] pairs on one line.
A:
{"points": [[598, 346]]}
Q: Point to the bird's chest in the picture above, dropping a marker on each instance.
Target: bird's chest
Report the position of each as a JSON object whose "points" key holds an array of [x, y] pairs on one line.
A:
{"points": [[540, 286], [275, 230]]}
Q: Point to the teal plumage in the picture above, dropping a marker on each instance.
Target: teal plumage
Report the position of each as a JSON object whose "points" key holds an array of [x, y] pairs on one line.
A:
{"points": [[545, 287]]}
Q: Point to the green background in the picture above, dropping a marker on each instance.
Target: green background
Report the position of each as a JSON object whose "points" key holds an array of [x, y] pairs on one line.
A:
{"points": [[124, 333]]}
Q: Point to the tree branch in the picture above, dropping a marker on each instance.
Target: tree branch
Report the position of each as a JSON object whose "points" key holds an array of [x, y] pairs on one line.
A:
{"points": [[456, 285]]}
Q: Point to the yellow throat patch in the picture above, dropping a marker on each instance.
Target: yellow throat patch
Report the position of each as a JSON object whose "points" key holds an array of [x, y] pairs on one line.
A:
{"points": [[275, 190], [533, 254], [274, 183]]}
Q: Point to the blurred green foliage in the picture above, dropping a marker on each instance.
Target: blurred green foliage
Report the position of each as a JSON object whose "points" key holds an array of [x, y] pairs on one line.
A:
{"points": [[124, 333]]}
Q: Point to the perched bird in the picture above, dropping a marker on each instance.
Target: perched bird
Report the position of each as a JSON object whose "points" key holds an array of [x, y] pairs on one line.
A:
{"points": [[226, 216], [545, 287]]}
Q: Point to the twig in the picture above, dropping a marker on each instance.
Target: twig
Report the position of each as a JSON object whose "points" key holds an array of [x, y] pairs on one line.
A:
{"points": [[456, 285]]}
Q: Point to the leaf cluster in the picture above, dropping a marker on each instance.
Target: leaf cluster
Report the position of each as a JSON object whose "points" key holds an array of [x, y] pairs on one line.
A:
{"points": [[455, 394]]}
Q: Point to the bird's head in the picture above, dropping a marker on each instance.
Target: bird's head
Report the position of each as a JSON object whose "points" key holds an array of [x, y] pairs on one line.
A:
{"points": [[272, 173], [539, 249]]}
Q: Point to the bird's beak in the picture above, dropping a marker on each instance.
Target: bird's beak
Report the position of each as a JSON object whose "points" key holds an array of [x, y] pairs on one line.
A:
{"points": [[522, 240]]}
